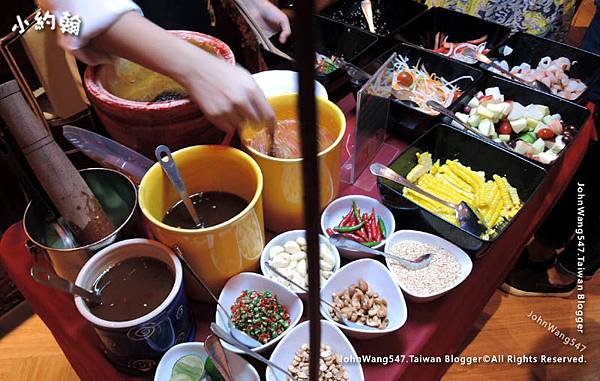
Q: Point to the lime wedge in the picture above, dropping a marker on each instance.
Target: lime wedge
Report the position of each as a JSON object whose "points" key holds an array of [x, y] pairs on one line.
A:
{"points": [[188, 368], [212, 371]]}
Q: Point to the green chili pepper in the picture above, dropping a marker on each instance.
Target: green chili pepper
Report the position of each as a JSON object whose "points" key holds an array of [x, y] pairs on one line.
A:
{"points": [[382, 227], [356, 212], [348, 229], [370, 243]]}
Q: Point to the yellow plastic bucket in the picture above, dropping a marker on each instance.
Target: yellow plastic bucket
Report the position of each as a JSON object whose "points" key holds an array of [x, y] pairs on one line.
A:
{"points": [[283, 194], [218, 252]]}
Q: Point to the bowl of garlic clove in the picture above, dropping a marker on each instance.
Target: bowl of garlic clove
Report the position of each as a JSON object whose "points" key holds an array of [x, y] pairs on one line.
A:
{"points": [[287, 254]]}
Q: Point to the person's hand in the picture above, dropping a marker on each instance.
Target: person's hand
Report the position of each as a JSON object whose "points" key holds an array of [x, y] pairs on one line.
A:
{"points": [[270, 18], [227, 94]]}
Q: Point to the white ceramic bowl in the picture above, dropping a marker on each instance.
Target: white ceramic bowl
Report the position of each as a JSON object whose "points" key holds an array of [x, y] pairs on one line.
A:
{"points": [[333, 214], [240, 368], [291, 236], [278, 82], [466, 265], [381, 281], [330, 334], [251, 281]]}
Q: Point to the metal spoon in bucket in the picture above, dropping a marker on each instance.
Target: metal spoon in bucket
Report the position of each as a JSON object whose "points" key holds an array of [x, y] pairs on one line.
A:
{"points": [[43, 276], [467, 219], [236, 333], [164, 157], [337, 311], [341, 242]]}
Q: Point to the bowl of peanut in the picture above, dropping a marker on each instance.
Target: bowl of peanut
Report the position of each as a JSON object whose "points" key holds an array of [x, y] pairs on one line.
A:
{"points": [[365, 293]]}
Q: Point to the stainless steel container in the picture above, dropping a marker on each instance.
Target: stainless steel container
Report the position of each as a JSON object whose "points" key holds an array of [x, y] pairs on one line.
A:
{"points": [[118, 197]]}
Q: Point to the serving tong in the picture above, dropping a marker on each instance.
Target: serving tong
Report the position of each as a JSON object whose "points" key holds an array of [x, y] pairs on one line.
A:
{"points": [[473, 54]]}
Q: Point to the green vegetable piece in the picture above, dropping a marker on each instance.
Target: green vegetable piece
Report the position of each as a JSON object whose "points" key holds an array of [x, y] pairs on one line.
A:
{"points": [[382, 227], [371, 243], [212, 371], [348, 229], [188, 368], [528, 137]]}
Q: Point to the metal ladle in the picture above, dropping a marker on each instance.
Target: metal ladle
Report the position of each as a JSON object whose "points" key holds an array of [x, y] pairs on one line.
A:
{"points": [[164, 157], [341, 242], [337, 311], [236, 333], [43, 276], [223, 335], [474, 54], [467, 219]]}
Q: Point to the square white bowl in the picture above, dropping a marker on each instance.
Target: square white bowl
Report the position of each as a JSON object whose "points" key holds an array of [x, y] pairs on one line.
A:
{"points": [[330, 335], [338, 208], [251, 281], [381, 281], [291, 236], [240, 368], [464, 261]]}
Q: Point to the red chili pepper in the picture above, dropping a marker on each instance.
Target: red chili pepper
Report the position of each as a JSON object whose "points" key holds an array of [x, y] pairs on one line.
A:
{"points": [[354, 237], [330, 231], [346, 218], [367, 228]]}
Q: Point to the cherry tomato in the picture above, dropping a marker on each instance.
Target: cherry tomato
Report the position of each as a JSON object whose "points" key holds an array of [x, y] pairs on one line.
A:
{"points": [[505, 128], [404, 79], [545, 133]]}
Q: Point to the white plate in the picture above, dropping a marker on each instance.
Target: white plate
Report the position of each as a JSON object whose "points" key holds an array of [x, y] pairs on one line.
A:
{"points": [[240, 368], [330, 334], [291, 236], [252, 281], [333, 214], [278, 82], [466, 265], [381, 281]]}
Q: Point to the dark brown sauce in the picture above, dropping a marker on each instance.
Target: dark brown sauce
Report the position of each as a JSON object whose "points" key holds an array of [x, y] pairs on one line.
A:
{"points": [[132, 288], [169, 96], [213, 208]]}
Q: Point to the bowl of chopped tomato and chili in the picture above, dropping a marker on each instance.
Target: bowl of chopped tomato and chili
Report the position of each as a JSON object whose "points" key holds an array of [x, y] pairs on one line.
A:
{"points": [[259, 306]]}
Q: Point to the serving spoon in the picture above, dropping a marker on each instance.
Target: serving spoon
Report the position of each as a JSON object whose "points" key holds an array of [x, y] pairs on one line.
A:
{"points": [[474, 54], [450, 114], [337, 311], [466, 217], [43, 276], [218, 331], [238, 334], [341, 242], [164, 157]]}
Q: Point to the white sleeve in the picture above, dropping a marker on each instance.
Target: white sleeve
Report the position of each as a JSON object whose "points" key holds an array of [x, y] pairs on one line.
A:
{"points": [[96, 16]]}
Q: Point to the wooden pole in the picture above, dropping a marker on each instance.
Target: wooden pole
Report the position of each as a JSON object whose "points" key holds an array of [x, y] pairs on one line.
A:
{"points": [[304, 26], [57, 175]]}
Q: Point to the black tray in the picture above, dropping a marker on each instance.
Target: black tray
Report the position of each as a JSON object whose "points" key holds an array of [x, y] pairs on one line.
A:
{"points": [[530, 49], [572, 114], [388, 15], [408, 122], [332, 38], [444, 142], [458, 26]]}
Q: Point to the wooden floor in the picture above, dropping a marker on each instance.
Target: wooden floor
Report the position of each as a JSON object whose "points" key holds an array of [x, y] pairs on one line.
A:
{"points": [[30, 352]]}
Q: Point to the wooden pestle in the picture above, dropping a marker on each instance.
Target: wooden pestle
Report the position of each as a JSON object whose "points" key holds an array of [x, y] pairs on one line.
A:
{"points": [[63, 183]]}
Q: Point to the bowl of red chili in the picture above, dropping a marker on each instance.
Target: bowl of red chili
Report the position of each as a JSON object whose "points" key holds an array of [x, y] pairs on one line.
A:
{"points": [[360, 218], [259, 306]]}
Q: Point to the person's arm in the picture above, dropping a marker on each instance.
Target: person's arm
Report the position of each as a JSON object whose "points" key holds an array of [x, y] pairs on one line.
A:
{"points": [[226, 94]]}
